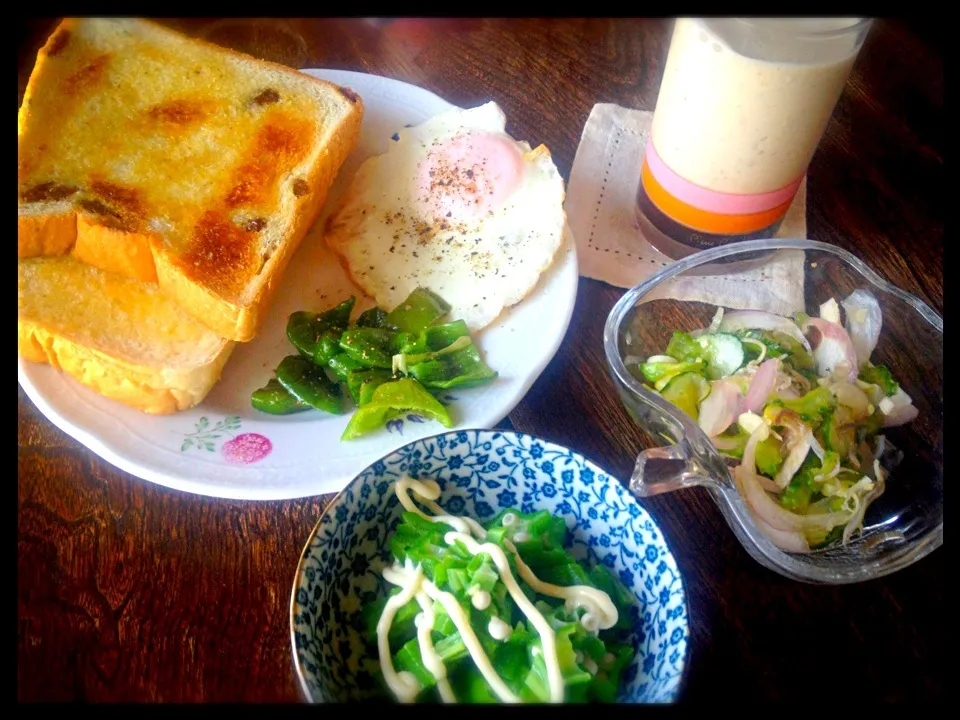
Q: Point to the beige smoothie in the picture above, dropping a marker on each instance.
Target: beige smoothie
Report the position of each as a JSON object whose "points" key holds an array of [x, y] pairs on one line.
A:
{"points": [[743, 103]]}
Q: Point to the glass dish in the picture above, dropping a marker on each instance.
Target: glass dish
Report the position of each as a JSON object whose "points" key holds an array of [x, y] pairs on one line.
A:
{"points": [[901, 526]]}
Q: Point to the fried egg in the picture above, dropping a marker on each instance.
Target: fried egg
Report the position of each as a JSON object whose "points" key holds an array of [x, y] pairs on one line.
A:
{"points": [[456, 206]]}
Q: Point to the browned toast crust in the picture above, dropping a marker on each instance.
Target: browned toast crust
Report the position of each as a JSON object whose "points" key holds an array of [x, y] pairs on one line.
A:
{"points": [[204, 181]]}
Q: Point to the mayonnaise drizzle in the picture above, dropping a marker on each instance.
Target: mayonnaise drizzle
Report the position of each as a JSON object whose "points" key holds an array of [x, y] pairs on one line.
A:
{"points": [[596, 602], [431, 659], [548, 637], [600, 613], [460, 620], [399, 684], [428, 491]]}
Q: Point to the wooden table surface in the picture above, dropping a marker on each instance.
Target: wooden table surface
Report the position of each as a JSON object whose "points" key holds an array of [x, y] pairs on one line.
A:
{"points": [[128, 591]]}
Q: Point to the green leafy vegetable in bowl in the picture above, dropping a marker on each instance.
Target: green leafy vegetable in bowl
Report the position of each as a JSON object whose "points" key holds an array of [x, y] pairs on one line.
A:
{"points": [[495, 612], [798, 408], [387, 363]]}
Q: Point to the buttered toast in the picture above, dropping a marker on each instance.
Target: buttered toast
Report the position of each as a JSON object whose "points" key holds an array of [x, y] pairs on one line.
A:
{"points": [[177, 162], [119, 336]]}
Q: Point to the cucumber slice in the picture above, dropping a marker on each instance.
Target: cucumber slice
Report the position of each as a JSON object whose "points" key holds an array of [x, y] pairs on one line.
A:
{"points": [[686, 391], [723, 353]]}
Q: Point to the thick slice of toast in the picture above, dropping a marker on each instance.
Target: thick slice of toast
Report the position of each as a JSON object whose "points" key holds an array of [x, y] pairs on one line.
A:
{"points": [[122, 337], [169, 159]]}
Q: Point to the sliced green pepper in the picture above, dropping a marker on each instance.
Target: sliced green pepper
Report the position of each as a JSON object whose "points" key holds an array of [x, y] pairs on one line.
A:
{"points": [[342, 365], [369, 387], [310, 384], [420, 309], [461, 368], [356, 379], [275, 399], [391, 399], [316, 336], [401, 361], [373, 318], [436, 337], [372, 347]]}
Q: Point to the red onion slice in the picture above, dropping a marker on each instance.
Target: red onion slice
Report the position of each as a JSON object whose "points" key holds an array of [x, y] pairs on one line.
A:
{"points": [[759, 320], [764, 380], [832, 349], [774, 514], [720, 408]]}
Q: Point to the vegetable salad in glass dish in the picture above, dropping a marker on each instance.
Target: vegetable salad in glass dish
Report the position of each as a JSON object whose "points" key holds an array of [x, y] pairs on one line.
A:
{"points": [[798, 409], [495, 612]]}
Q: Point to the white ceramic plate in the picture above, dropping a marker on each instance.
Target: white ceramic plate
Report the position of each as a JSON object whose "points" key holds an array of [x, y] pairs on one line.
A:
{"points": [[224, 448]]}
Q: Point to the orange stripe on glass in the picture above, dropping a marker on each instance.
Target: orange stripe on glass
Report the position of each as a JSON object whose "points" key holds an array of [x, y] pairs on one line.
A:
{"points": [[704, 220]]}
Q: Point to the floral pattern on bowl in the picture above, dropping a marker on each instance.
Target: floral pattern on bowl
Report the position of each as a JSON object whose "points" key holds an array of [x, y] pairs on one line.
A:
{"points": [[481, 472]]}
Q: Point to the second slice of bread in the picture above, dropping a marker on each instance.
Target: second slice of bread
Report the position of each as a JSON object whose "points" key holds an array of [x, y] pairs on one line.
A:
{"points": [[121, 337], [188, 164]]}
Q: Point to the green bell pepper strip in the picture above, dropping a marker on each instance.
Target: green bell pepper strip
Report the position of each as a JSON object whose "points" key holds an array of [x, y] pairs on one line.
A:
{"points": [[436, 337], [462, 368], [342, 364], [372, 347], [420, 309], [275, 399], [402, 361], [316, 335], [403, 627], [356, 379], [310, 384], [369, 387], [373, 317], [392, 398], [485, 577]]}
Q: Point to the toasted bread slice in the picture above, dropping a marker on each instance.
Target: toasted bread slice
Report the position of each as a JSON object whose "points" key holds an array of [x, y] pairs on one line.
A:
{"points": [[121, 337], [189, 164]]}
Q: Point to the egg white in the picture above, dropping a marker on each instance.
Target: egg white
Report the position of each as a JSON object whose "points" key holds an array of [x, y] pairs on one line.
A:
{"points": [[390, 243]]}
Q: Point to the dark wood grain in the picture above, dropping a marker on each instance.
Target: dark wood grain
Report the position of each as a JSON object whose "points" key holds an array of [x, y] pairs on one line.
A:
{"points": [[131, 592]]}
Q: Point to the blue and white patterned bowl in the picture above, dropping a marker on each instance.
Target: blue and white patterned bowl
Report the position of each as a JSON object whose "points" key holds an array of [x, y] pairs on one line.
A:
{"points": [[480, 472]]}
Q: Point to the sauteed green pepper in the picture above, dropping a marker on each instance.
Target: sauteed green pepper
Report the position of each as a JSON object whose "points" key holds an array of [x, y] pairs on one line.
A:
{"points": [[421, 309], [274, 398], [389, 363], [391, 399], [309, 384], [317, 336]]}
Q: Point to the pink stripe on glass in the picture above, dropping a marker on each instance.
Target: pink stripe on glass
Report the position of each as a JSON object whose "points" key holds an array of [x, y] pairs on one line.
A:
{"points": [[722, 203]]}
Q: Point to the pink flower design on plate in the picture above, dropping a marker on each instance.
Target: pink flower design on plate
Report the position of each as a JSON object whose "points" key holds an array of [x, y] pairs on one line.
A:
{"points": [[246, 449]]}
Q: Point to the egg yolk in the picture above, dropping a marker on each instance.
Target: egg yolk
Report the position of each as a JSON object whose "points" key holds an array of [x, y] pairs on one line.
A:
{"points": [[468, 176]]}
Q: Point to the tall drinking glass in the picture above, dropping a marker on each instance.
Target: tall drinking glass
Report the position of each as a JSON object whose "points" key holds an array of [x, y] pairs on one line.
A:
{"points": [[742, 106]]}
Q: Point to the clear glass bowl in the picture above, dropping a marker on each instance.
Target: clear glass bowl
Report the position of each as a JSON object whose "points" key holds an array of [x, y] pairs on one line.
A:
{"points": [[901, 526]]}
